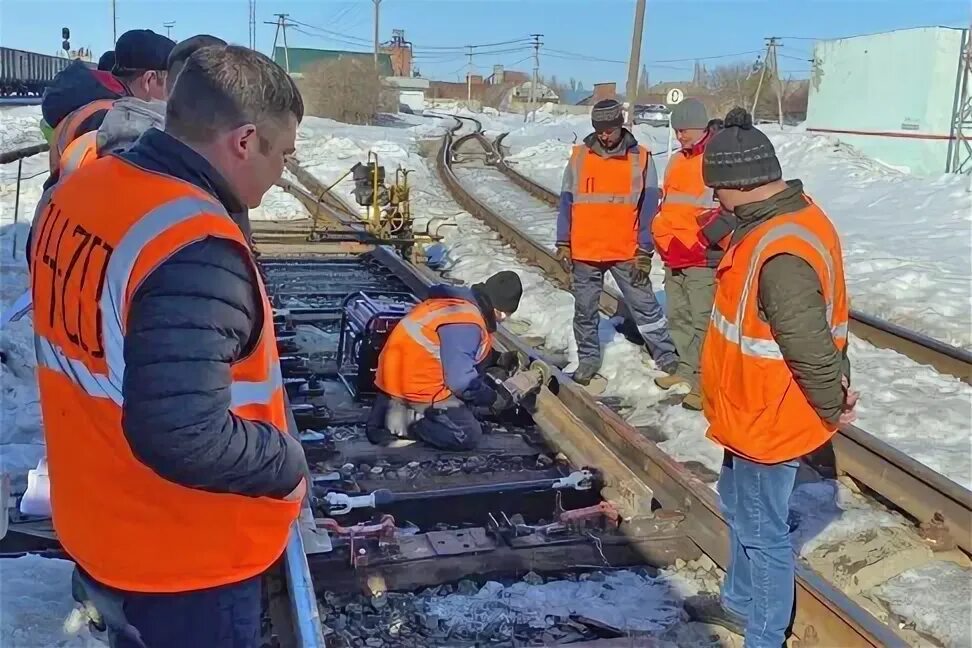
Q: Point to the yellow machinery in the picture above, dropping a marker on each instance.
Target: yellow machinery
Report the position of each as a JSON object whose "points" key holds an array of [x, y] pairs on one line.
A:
{"points": [[388, 217]]}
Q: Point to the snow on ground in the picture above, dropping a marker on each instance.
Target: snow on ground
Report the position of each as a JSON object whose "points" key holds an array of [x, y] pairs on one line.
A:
{"points": [[473, 252], [35, 598], [907, 239]]}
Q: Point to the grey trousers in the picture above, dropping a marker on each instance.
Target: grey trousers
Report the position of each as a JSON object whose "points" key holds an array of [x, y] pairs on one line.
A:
{"points": [[588, 282], [689, 294]]}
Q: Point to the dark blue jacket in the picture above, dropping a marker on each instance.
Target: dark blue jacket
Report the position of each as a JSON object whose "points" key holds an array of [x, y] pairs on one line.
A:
{"points": [[459, 346], [193, 316]]}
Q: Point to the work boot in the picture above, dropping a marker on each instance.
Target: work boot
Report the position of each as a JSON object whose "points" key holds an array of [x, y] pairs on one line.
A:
{"points": [[382, 437], [584, 373], [693, 401], [671, 380], [708, 608]]}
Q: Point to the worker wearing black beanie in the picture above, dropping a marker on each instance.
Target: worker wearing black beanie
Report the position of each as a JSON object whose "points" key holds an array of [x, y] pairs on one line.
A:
{"points": [[774, 372]]}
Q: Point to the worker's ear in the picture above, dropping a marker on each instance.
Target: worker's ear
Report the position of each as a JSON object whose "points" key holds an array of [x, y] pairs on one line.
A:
{"points": [[245, 141]]}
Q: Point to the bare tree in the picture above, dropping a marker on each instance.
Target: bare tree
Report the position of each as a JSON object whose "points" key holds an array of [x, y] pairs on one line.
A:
{"points": [[345, 90]]}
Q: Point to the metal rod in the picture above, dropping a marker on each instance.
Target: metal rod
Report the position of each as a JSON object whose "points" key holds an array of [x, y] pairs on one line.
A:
{"points": [[20, 167]]}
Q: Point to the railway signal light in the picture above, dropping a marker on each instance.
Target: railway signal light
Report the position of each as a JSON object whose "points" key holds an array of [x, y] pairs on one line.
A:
{"points": [[66, 35]]}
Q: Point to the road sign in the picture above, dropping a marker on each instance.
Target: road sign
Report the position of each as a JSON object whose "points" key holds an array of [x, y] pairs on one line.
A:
{"points": [[674, 96]]}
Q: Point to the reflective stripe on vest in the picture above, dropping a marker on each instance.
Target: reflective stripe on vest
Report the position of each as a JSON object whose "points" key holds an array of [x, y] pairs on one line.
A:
{"points": [[414, 329], [83, 149], [584, 197], [768, 348]]}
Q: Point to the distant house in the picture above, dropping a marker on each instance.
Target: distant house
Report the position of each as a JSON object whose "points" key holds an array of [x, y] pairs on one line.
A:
{"points": [[573, 97], [298, 59]]}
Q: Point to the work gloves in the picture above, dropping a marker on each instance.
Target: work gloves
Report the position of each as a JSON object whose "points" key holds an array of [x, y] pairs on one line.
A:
{"points": [[642, 272]]}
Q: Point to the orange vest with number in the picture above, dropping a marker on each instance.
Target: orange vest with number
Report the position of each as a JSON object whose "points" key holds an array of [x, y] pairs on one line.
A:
{"points": [[124, 524], [604, 214], [676, 229], [67, 129], [410, 363], [754, 406], [82, 150]]}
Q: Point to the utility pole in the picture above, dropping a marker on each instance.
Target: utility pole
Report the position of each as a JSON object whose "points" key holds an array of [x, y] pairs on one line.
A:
{"points": [[281, 24], [770, 59], [114, 24], [635, 60], [536, 70], [252, 4], [377, 5], [469, 76], [168, 28]]}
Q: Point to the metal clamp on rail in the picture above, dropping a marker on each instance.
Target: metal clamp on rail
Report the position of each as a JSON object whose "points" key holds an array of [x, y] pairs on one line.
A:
{"points": [[341, 503]]}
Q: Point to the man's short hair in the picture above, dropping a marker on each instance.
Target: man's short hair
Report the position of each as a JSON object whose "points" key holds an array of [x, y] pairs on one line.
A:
{"points": [[182, 51], [223, 87]]}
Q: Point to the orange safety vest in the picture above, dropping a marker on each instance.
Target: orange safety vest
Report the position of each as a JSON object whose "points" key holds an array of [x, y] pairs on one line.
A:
{"points": [[604, 214], [750, 398], [677, 227], [67, 129], [124, 524], [410, 364], [82, 150]]}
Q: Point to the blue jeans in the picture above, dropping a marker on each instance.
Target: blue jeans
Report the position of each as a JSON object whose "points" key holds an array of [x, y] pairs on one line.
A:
{"points": [[759, 584]]}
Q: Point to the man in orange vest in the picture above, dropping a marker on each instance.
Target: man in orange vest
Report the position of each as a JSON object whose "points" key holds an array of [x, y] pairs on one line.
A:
{"points": [[687, 232], [608, 199], [174, 480], [775, 374], [431, 370]]}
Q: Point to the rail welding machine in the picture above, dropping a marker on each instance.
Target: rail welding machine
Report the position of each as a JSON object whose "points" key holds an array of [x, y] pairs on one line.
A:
{"points": [[366, 321]]}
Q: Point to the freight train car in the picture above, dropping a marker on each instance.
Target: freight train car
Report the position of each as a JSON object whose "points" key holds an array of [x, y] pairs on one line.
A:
{"points": [[24, 74]]}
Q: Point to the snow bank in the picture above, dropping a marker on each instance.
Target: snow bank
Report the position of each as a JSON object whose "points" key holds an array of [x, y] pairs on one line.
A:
{"points": [[19, 127], [36, 598]]}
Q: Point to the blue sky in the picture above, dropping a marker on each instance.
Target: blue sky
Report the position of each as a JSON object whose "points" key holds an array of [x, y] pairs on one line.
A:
{"points": [[574, 31]]}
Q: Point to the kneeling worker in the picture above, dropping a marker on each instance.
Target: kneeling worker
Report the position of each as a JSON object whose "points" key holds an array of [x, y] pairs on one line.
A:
{"points": [[431, 369]]}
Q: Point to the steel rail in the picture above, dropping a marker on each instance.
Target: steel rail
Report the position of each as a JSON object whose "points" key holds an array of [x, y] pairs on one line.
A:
{"points": [[588, 432]]}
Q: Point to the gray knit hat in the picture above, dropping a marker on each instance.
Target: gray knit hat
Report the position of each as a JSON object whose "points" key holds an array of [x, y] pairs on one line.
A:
{"points": [[688, 114], [740, 156], [607, 113]]}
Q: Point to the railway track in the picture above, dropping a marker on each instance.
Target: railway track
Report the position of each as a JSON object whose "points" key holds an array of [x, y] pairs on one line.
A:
{"points": [[942, 507], [638, 472], [668, 515]]}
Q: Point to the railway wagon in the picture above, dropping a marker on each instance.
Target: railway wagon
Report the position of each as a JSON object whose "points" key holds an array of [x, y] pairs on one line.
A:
{"points": [[24, 74]]}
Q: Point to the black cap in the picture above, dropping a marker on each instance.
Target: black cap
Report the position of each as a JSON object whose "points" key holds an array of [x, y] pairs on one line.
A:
{"points": [[141, 49], [107, 61], [607, 113], [740, 156], [503, 290], [184, 49]]}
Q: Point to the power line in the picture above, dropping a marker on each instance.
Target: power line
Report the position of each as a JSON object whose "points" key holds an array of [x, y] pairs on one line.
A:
{"points": [[463, 48], [364, 41]]}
